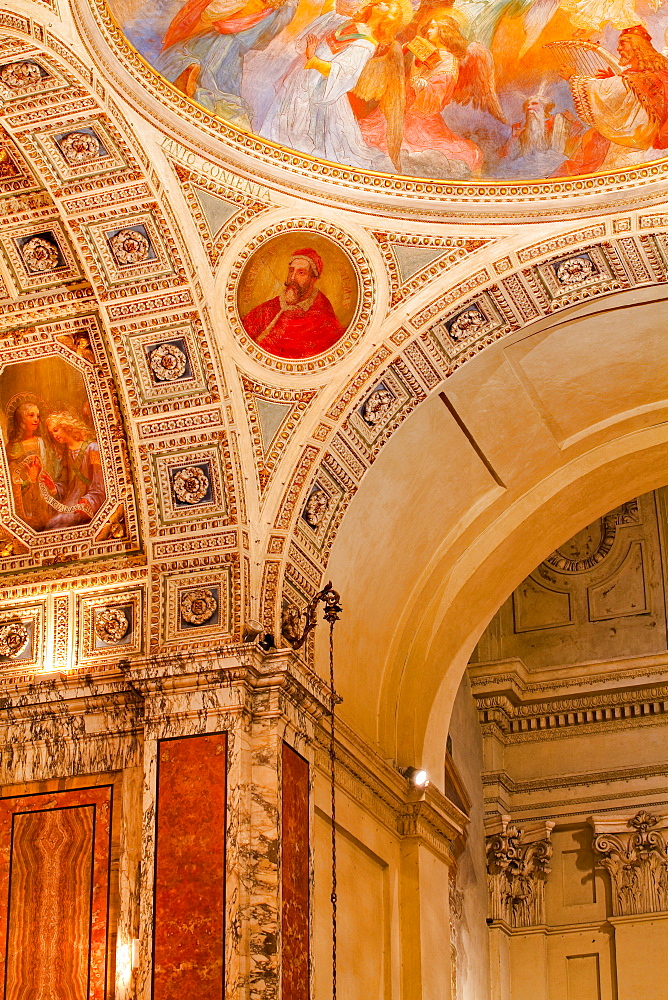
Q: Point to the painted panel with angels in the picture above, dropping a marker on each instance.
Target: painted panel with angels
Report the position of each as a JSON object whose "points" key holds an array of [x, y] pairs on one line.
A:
{"points": [[458, 89], [51, 450]]}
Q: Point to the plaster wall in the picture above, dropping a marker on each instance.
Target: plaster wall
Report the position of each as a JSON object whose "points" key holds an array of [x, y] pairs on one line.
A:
{"points": [[367, 873]]}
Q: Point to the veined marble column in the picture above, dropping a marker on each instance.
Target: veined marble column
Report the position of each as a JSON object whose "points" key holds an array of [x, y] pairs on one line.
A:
{"points": [[258, 710], [70, 753]]}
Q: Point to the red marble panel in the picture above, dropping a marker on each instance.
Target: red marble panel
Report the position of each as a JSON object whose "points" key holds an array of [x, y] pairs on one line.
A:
{"points": [[295, 877], [189, 907], [55, 856]]}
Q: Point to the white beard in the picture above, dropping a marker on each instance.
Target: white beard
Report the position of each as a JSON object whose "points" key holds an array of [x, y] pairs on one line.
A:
{"points": [[533, 137]]}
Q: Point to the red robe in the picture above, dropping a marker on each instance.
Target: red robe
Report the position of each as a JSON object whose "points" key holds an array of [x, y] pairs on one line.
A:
{"points": [[651, 90], [186, 23], [297, 333]]}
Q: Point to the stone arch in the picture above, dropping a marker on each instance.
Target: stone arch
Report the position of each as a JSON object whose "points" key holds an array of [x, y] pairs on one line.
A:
{"points": [[540, 435], [421, 350]]}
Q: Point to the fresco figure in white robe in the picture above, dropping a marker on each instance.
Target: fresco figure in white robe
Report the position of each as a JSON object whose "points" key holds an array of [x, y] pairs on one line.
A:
{"points": [[205, 44], [312, 112]]}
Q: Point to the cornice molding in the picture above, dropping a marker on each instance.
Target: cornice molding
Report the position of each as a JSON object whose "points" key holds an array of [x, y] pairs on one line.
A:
{"points": [[378, 787], [629, 693]]}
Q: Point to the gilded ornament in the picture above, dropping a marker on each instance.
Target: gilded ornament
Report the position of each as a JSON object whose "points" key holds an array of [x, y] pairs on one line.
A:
{"points": [[111, 624], [316, 508], [39, 255], [129, 246], [468, 323], [190, 485], [13, 638], [80, 147], [575, 270], [168, 363], [377, 406], [20, 74], [291, 623], [198, 606], [7, 166]]}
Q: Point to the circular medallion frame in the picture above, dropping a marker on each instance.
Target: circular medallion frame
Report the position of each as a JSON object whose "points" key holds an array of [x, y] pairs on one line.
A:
{"points": [[366, 299]]}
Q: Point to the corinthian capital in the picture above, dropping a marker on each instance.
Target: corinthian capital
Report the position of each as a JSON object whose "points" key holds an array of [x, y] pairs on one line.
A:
{"points": [[517, 868], [634, 852]]}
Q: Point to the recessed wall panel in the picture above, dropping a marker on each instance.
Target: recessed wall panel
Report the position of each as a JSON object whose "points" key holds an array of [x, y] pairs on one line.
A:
{"points": [[189, 906], [295, 876], [55, 852]]}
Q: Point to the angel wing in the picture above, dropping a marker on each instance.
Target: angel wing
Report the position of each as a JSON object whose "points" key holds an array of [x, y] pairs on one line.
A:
{"points": [[475, 82], [429, 10], [488, 20], [382, 84], [538, 16]]}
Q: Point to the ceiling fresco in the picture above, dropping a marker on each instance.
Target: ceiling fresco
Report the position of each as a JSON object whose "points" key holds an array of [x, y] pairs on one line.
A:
{"points": [[447, 89]]}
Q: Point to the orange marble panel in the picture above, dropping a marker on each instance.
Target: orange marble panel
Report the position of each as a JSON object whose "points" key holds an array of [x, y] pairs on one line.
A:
{"points": [[189, 907], [55, 853], [295, 876]]}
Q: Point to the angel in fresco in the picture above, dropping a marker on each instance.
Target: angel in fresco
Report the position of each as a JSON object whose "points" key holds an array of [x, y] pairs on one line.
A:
{"points": [[444, 68], [205, 44], [582, 19], [312, 112], [80, 484], [28, 456]]}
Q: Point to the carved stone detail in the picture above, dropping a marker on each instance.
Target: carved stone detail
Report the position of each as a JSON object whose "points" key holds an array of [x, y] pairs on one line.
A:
{"points": [[517, 869], [636, 858], [456, 902]]}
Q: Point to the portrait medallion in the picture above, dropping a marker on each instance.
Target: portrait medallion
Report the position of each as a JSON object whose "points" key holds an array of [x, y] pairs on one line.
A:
{"points": [[297, 295]]}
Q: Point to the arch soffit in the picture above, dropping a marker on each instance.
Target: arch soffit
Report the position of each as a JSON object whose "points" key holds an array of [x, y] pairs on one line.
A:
{"points": [[464, 502], [135, 301]]}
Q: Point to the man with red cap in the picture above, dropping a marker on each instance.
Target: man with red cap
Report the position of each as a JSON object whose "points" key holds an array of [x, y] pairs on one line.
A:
{"points": [[628, 110], [300, 322]]}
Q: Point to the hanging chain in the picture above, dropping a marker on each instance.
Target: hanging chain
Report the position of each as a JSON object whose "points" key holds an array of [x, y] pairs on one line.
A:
{"points": [[330, 598], [332, 771]]}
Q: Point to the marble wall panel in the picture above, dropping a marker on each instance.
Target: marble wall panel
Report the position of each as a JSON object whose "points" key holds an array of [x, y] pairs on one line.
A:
{"points": [[295, 899], [190, 868], [55, 858]]}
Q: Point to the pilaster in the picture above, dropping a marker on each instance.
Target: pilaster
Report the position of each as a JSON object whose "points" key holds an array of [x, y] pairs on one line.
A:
{"points": [[229, 716], [634, 852], [518, 865]]}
